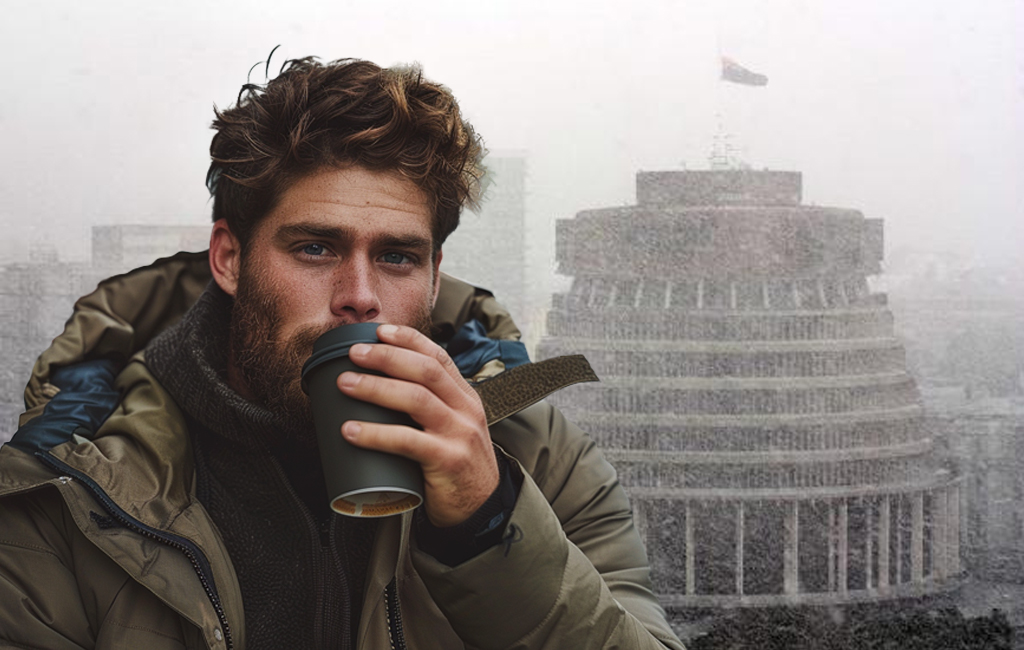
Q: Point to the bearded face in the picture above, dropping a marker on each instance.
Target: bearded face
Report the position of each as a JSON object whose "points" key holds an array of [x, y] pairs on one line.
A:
{"points": [[268, 361]]}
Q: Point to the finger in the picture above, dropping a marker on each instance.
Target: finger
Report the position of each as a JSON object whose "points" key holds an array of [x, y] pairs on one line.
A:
{"points": [[398, 395], [412, 339], [416, 367], [394, 439]]}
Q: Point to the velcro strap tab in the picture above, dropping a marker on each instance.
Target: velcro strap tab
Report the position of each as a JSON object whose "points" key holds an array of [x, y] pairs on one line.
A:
{"points": [[515, 389]]}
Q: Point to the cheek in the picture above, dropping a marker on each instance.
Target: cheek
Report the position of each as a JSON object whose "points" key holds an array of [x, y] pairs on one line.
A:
{"points": [[302, 303]]}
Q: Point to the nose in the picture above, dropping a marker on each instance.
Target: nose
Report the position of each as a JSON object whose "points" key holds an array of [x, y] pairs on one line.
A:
{"points": [[355, 297]]}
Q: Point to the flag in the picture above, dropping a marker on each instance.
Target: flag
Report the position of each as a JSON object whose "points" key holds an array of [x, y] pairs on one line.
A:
{"points": [[734, 72]]}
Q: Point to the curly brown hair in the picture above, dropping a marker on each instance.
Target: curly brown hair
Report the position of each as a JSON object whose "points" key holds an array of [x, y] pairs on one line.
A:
{"points": [[315, 115]]}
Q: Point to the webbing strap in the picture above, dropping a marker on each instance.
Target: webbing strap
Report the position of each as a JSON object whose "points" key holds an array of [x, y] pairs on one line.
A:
{"points": [[522, 386]]}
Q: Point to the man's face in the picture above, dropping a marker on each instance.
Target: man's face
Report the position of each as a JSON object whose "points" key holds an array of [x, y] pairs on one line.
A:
{"points": [[342, 246]]}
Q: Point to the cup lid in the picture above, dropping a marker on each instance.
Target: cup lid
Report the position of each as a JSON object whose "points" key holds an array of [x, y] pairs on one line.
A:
{"points": [[336, 343]]}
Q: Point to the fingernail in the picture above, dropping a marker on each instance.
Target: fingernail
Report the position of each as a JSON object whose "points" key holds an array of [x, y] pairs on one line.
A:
{"points": [[351, 430], [350, 379], [387, 330], [359, 350]]}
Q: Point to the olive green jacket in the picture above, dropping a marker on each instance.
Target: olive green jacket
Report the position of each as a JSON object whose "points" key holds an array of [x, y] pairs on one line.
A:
{"points": [[103, 543]]}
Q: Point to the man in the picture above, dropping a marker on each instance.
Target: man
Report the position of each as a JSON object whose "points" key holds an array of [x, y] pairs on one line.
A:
{"points": [[165, 491]]}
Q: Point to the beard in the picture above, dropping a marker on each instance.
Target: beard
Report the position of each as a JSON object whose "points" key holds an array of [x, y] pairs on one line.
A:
{"points": [[270, 366]]}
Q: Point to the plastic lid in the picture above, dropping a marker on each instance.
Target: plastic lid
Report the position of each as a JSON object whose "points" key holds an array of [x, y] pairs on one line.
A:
{"points": [[336, 342]]}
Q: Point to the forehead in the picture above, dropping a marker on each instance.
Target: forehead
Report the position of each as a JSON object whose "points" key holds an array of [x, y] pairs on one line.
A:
{"points": [[356, 198]]}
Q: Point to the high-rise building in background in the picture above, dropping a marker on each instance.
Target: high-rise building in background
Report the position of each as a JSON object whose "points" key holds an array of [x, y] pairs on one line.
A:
{"points": [[125, 247], [754, 398], [489, 249], [35, 300]]}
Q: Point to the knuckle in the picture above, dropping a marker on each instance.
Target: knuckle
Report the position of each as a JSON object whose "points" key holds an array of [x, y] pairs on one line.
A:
{"points": [[403, 444], [421, 397], [441, 356], [432, 372], [368, 382], [383, 353]]}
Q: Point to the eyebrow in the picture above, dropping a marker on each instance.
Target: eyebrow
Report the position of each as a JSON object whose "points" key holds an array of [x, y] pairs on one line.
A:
{"points": [[338, 233]]}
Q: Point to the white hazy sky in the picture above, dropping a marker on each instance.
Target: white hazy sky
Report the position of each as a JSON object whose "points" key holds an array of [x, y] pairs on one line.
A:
{"points": [[911, 111]]}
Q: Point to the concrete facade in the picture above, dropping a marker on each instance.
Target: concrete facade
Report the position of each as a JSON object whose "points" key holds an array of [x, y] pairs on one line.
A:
{"points": [[754, 398]]}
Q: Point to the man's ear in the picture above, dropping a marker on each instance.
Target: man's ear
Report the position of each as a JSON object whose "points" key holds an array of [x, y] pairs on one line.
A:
{"points": [[225, 257], [437, 277]]}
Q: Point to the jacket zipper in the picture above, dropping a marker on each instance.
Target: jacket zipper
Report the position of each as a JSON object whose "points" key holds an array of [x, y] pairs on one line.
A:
{"points": [[199, 562], [318, 546], [394, 614]]}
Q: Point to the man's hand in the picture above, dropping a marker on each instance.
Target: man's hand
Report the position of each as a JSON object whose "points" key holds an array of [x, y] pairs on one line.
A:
{"points": [[454, 448]]}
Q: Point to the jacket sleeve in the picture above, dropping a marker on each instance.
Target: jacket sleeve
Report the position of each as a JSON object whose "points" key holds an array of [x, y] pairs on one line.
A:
{"points": [[571, 572]]}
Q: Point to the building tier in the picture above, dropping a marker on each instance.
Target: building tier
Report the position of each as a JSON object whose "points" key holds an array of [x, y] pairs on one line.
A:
{"points": [[754, 399]]}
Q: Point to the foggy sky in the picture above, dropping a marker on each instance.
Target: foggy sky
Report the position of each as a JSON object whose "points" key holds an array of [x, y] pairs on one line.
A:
{"points": [[910, 111]]}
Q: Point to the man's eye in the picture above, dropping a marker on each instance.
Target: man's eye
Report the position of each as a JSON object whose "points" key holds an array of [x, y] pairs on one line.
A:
{"points": [[395, 258], [313, 249]]}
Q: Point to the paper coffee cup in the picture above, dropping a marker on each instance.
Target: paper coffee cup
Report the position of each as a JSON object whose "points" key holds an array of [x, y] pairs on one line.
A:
{"points": [[360, 482]]}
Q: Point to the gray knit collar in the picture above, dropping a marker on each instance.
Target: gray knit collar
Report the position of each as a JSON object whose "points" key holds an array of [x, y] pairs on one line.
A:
{"points": [[189, 360]]}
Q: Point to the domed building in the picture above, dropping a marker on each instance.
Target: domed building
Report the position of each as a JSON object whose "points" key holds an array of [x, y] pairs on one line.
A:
{"points": [[753, 396]]}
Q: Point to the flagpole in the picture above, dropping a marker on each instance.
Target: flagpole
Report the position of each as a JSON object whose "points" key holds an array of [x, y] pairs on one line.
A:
{"points": [[717, 158]]}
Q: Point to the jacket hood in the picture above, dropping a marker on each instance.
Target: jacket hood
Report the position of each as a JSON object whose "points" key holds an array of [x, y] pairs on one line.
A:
{"points": [[119, 318]]}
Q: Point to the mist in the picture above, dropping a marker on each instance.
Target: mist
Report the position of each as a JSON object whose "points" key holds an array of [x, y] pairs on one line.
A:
{"points": [[910, 112]]}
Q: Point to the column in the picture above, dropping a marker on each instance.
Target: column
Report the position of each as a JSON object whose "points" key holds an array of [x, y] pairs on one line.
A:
{"points": [[940, 521], [899, 540], [765, 295], [640, 520], [639, 293], [732, 295], [869, 550], [843, 546], [884, 521], [821, 293], [691, 580], [917, 538], [791, 554], [668, 294], [831, 546], [842, 292], [740, 516], [953, 531], [592, 296], [700, 293]]}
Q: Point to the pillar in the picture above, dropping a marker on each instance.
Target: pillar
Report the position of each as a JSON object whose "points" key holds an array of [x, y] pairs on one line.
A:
{"points": [[740, 516], [917, 538], [884, 523], [843, 546], [638, 294], [691, 579], [940, 521], [640, 520], [869, 547], [791, 554], [953, 532], [831, 547], [899, 540]]}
